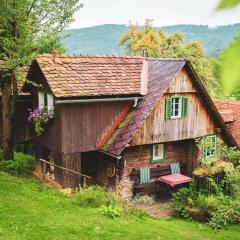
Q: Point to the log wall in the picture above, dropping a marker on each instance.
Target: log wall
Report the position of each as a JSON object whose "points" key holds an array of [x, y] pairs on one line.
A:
{"points": [[140, 156]]}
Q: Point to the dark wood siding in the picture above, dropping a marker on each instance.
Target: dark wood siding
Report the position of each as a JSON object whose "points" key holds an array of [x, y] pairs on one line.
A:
{"points": [[52, 137], [83, 125]]}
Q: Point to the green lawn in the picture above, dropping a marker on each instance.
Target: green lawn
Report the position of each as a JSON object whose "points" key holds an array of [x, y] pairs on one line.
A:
{"points": [[27, 212]]}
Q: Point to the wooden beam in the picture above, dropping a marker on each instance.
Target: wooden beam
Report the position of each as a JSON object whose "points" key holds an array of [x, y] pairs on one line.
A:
{"points": [[66, 169]]}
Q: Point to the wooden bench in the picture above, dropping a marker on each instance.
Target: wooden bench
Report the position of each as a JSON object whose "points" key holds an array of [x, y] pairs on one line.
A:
{"points": [[155, 173]]}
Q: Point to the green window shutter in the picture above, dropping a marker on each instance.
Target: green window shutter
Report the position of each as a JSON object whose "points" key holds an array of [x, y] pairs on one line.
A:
{"points": [[184, 106], [168, 108]]}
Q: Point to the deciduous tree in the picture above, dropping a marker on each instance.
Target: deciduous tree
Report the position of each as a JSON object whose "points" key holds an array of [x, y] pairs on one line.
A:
{"points": [[149, 41]]}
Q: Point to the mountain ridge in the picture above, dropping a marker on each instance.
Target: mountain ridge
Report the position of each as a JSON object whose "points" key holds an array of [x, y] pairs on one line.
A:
{"points": [[103, 39]]}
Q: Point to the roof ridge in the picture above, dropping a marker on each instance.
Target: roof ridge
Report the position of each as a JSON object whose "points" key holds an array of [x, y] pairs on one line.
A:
{"points": [[166, 59], [90, 56]]}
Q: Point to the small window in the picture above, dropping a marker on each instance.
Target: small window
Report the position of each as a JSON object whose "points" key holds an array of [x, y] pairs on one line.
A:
{"points": [[45, 100], [158, 153], [176, 107], [210, 149]]}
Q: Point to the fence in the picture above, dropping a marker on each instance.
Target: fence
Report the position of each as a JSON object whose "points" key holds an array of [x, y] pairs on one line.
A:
{"points": [[45, 163]]}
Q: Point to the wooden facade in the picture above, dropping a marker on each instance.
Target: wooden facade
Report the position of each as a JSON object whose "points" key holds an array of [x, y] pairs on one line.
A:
{"points": [[156, 128]]}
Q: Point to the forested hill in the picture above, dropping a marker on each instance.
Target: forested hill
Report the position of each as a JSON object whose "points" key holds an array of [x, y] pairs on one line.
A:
{"points": [[104, 39]]}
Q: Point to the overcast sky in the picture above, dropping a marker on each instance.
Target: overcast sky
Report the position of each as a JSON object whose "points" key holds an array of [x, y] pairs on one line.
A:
{"points": [[163, 12]]}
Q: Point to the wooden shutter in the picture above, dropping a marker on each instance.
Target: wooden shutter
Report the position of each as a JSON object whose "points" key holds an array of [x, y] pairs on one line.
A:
{"points": [[168, 108], [184, 106]]}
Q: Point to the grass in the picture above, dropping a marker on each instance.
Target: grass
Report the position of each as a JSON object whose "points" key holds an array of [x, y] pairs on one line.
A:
{"points": [[28, 212]]}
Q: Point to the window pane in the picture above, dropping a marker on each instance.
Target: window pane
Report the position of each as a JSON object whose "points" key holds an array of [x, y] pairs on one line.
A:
{"points": [[176, 107], [50, 101], [41, 99], [158, 152]]}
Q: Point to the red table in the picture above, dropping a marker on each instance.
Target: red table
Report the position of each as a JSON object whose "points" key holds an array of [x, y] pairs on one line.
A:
{"points": [[175, 179]]}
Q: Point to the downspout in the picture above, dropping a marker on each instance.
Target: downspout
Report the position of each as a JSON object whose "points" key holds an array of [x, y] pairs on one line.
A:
{"points": [[93, 100]]}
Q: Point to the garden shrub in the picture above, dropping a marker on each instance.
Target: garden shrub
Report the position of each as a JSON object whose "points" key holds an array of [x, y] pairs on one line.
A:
{"points": [[207, 204], [232, 181], [95, 196], [22, 164], [182, 199], [111, 211], [226, 214]]}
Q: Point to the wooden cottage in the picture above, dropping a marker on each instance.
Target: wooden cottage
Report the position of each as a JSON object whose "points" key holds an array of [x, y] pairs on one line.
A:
{"points": [[114, 116]]}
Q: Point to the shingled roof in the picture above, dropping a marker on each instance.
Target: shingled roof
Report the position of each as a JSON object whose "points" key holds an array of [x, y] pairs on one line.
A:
{"points": [[230, 111], [160, 75], [86, 76]]}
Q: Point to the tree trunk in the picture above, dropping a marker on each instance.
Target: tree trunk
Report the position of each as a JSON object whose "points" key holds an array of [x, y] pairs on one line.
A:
{"points": [[7, 138], [9, 103]]}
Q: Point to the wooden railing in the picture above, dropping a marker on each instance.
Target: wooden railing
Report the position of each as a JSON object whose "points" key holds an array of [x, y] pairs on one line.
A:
{"points": [[45, 163]]}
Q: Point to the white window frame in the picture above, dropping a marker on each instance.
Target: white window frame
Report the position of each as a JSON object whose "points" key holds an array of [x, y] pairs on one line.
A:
{"points": [[41, 100], [50, 101], [179, 115], [155, 157], [211, 152]]}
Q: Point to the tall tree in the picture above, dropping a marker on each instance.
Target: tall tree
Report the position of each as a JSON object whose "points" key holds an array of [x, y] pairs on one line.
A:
{"points": [[26, 26], [149, 41]]}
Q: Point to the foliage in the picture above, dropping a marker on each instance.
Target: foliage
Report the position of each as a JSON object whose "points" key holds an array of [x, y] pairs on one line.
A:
{"points": [[230, 67], [207, 204], [95, 196], [22, 165], [232, 180], [28, 26], [230, 58], [232, 154], [220, 207], [215, 169], [226, 214], [182, 199], [228, 4], [143, 200], [40, 117], [151, 42], [28, 212], [111, 211]]}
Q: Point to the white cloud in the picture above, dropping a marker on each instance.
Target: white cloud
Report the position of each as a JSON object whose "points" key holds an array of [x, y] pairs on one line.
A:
{"points": [[163, 12]]}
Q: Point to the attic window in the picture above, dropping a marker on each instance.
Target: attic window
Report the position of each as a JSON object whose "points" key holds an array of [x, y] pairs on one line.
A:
{"points": [[45, 100], [176, 107]]}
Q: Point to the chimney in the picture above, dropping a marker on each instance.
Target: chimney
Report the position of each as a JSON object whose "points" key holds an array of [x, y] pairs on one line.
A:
{"points": [[55, 56]]}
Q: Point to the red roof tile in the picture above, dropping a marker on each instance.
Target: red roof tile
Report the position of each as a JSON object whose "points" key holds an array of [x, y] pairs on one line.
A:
{"points": [[79, 76], [230, 111]]}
